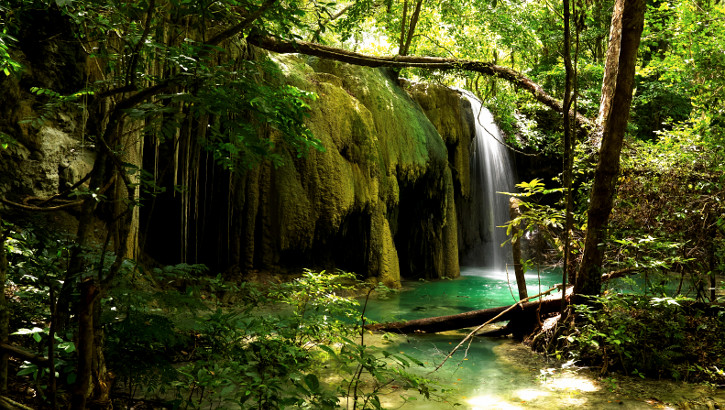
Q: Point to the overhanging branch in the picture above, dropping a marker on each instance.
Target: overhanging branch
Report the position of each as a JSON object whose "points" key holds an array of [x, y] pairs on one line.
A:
{"points": [[432, 63]]}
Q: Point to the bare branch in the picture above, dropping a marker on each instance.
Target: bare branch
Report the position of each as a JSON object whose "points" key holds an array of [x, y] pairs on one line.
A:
{"points": [[41, 208]]}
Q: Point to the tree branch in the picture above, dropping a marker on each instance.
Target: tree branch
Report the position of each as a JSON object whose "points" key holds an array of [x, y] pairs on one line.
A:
{"points": [[232, 31], [333, 17], [23, 354], [130, 74], [433, 63], [41, 208], [56, 207]]}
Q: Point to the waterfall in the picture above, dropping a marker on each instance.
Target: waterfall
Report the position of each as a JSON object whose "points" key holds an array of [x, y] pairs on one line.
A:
{"points": [[491, 172]]}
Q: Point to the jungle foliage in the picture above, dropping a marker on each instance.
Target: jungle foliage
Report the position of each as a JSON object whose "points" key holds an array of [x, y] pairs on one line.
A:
{"points": [[181, 70], [650, 336], [179, 337]]}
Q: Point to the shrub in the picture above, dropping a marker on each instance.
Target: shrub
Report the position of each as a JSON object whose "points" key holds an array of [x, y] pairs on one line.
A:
{"points": [[658, 337]]}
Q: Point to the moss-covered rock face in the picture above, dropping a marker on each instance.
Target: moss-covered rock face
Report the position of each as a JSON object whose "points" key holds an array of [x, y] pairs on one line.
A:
{"points": [[453, 118], [380, 201]]}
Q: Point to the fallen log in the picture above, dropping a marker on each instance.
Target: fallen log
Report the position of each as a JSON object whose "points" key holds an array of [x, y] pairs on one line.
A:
{"points": [[476, 317], [23, 354], [469, 319], [432, 63], [8, 403]]}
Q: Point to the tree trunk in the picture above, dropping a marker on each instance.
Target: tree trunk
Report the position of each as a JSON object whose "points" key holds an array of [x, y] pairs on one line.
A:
{"points": [[467, 319], [515, 212], [4, 311], [568, 145], [85, 344], [611, 65], [588, 280]]}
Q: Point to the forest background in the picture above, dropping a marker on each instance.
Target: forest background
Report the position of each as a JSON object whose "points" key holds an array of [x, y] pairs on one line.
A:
{"points": [[161, 63]]}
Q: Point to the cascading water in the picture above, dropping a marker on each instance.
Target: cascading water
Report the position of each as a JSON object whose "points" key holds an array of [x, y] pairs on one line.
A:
{"points": [[491, 172]]}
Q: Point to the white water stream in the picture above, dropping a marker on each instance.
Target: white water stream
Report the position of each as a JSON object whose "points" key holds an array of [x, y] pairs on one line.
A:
{"points": [[492, 172]]}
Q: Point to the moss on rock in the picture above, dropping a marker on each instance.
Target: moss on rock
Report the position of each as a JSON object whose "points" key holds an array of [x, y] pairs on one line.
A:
{"points": [[342, 208]]}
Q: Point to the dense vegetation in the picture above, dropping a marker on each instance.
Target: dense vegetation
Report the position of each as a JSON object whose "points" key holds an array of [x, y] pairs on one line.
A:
{"points": [[83, 306]]}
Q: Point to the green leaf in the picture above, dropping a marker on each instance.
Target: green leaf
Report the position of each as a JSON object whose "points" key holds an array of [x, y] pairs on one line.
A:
{"points": [[28, 331], [67, 347], [228, 390], [28, 370], [312, 382]]}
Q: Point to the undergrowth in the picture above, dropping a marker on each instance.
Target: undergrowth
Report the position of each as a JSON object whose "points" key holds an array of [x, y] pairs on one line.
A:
{"points": [[178, 337], [656, 337], [265, 350]]}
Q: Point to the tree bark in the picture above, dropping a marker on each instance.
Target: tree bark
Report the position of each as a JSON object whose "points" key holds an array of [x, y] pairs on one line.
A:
{"points": [[588, 280], [433, 63], [467, 319], [611, 64], [515, 212], [4, 311]]}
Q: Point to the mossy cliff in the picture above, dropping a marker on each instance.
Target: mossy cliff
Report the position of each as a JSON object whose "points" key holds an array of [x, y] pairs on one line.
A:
{"points": [[453, 118], [379, 201]]}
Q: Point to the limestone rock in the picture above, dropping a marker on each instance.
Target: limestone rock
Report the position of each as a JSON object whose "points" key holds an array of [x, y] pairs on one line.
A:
{"points": [[380, 201]]}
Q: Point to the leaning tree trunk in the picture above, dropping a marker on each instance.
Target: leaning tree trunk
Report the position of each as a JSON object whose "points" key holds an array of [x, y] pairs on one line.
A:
{"points": [[432, 63], [588, 281], [568, 148]]}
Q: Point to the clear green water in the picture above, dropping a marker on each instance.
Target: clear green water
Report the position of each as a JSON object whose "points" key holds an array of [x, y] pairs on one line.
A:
{"points": [[477, 288], [489, 373]]}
